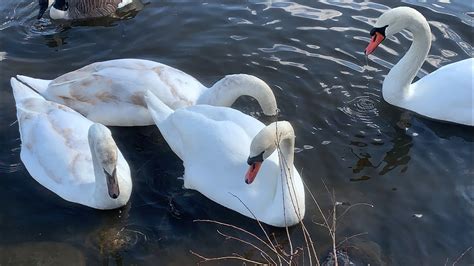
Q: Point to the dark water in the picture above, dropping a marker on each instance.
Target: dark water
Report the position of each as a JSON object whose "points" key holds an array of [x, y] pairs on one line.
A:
{"points": [[417, 173]]}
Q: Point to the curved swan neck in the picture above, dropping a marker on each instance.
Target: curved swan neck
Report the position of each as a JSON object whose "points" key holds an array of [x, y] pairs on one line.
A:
{"points": [[396, 85], [104, 153], [285, 135], [226, 91], [278, 136], [100, 192]]}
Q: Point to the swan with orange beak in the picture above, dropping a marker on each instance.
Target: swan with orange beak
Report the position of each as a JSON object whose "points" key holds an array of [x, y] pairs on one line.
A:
{"points": [[272, 191], [445, 94]]}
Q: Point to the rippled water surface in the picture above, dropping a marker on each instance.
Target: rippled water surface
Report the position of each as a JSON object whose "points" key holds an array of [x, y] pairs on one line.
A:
{"points": [[417, 173]]}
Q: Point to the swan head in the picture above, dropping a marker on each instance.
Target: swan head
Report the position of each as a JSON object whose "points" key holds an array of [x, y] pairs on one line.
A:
{"points": [[390, 23], [264, 144], [105, 153]]}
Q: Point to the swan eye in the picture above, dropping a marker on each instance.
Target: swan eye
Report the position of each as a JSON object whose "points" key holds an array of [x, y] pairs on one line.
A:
{"points": [[372, 31], [380, 30], [255, 159]]}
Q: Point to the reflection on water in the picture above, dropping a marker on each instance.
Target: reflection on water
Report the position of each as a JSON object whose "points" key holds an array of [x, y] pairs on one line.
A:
{"points": [[367, 166], [311, 55]]}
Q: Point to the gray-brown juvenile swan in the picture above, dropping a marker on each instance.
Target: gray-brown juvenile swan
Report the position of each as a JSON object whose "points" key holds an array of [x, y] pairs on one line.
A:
{"points": [[111, 92], [68, 154]]}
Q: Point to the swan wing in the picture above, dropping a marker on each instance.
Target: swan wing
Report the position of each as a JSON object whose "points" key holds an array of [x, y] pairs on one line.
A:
{"points": [[111, 92], [446, 94], [204, 130], [54, 146]]}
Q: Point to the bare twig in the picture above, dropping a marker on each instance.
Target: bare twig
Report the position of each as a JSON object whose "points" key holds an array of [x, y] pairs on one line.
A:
{"points": [[352, 236], [271, 247], [259, 224], [462, 255], [206, 259], [263, 253], [354, 205]]}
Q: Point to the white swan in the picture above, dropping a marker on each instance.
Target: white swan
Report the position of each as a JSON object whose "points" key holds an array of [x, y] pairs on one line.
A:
{"points": [[81, 9], [68, 154], [216, 143], [446, 94], [111, 92]]}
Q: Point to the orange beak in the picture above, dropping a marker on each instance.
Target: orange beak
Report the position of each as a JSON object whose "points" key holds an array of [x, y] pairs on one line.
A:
{"points": [[377, 38], [252, 172]]}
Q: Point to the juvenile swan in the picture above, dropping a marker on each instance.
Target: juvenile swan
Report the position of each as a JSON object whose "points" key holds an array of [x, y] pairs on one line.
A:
{"points": [[111, 92], [447, 94], [68, 154], [217, 145]]}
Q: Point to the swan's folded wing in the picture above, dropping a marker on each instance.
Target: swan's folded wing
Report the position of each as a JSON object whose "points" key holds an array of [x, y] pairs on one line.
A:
{"points": [[217, 113], [124, 81], [446, 94], [204, 130], [54, 143]]}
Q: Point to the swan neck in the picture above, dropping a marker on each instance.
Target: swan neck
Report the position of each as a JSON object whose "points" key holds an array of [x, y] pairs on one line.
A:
{"points": [[287, 147], [100, 192], [284, 138], [292, 203], [396, 86], [227, 90]]}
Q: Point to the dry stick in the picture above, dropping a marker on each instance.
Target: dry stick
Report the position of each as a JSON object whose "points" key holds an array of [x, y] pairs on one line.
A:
{"points": [[205, 259], [248, 243], [320, 211], [261, 227], [306, 234], [354, 205], [283, 194], [446, 262], [462, 255], [303, 226], [331, 229], [277, 144], [272, 248], [317, 205], [269, 263], [352, 236]]}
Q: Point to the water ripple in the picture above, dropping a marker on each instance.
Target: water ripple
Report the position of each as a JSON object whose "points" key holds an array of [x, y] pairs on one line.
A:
{"points": [[8, 168], [298, 10], [362, 109], [287, 48]]}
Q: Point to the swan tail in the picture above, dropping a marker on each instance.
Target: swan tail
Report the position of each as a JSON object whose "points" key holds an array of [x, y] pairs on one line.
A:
{"points": [[158, 110], [39, 85], [21, 91]]}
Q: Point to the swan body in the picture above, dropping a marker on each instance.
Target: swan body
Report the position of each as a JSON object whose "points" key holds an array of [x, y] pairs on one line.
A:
{"points": [[81, 9], [447, 94], [68, 154], [111, 92], [215, 144]]}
